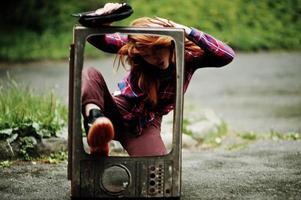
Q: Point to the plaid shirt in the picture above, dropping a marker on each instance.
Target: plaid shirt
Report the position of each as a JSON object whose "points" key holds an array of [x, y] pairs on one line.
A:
{"points": [[216, 54]]}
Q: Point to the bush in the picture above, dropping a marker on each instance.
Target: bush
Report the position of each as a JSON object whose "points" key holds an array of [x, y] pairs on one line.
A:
{"points": [[39, 29], [246, 25]]}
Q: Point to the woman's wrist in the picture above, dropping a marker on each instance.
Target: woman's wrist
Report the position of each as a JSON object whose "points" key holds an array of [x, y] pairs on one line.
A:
{"points": [[168, 23], [187, 30]]}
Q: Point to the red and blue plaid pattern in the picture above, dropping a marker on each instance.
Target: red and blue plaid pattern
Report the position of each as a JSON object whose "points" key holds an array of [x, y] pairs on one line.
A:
{"points": [[216, 54]]}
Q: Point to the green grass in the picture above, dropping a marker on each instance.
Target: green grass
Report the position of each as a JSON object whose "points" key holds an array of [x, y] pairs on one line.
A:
{"points": [[224, 138], [26, 117], [22, 110], [237, 146], [186, 130], [271, 135], [212, 139], [248, 135], [5, 164], [215, 138], [30, 46], [54, 158], [275, 135], [243, 139]]}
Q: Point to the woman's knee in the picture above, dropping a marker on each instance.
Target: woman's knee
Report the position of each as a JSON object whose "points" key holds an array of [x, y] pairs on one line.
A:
{"points": [[149, 143], [90, 73]]}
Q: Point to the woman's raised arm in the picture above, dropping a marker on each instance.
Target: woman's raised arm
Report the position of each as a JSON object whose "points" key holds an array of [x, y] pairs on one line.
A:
{"points": [[109, 43], [216, 53]]}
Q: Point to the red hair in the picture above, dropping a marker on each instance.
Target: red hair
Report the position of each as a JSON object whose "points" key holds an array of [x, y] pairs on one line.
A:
{"points": [[147, 80]]}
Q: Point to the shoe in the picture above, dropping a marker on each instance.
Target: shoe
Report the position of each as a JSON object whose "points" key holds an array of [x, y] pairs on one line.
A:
{"points": [[93, 115], [100, 132]]}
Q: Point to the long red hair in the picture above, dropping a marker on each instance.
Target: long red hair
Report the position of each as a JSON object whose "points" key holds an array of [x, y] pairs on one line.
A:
{"points": [[147, 80]]}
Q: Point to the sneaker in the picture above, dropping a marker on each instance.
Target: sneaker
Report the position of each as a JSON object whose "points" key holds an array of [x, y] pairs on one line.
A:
{"points": [[100, 132]]}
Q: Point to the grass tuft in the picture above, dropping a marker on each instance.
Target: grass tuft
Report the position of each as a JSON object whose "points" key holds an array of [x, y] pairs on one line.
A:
{"points": [[21, 108], [5, 164]]}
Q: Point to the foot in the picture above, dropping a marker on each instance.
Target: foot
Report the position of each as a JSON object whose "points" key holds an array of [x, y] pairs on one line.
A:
{"points": [[100, 134]]}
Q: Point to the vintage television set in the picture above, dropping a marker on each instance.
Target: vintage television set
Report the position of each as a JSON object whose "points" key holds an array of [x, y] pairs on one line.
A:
{"points": [[114, 176]]}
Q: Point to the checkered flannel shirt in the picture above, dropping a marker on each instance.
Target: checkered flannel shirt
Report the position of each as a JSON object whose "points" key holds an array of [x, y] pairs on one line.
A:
{"points": [[216, 54]]}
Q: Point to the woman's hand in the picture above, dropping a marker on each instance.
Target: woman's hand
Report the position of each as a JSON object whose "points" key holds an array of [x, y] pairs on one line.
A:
{"points": [[108, 8], [161, 22]]}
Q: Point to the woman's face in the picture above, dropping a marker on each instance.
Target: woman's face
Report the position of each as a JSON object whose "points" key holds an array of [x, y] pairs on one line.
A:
{"points": [[158, 56]]}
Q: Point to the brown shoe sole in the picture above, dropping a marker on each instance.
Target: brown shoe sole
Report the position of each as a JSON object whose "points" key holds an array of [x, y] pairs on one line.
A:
{"points": [[100, 134]]}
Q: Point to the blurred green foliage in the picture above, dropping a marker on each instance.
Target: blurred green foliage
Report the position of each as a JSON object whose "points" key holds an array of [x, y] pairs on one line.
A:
{"points": [[43, 15], [246, 25], [41, 29]]}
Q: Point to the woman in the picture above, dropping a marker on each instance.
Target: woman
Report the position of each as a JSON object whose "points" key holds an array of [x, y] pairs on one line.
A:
{"points": [[134, 116]]}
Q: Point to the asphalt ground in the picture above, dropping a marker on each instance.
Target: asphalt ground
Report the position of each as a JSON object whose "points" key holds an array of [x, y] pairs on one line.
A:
{"points": [[263, 170]]}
